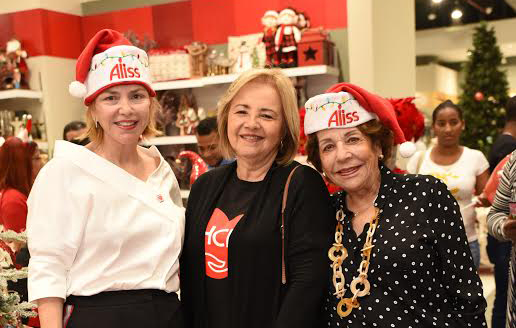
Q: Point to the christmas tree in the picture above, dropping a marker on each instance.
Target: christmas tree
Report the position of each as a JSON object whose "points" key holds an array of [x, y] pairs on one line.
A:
{"points": [[484, 91], [11, 309]]}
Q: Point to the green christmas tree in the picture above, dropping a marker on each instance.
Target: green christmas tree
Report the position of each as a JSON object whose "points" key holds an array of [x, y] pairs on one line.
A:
{"points": [[485, 91], [11, 309]]}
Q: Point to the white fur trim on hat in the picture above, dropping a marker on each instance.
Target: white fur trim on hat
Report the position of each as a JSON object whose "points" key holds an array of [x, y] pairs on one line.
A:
{"points": [[288, 11], [271, 13], [407, 149], [334, 110], [77, 89]]}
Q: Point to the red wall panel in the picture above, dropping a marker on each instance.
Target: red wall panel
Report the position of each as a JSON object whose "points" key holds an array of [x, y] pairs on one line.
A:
{"points": [[63, 35], [27, 26], [6, 29], [173, 24], [213, 20], [44, 32], [138, 20]]}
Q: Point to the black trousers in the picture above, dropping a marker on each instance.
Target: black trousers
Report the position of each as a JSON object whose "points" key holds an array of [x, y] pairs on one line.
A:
{"points": [[147, 308]]}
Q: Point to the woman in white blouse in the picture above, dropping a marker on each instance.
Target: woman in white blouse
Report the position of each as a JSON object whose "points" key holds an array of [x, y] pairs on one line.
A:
{"points": [[106, 222], [465, 171]]}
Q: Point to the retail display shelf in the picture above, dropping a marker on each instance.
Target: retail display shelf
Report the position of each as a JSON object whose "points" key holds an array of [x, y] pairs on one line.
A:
{"points": [[170, 140], [185, 193], [20, 93], [220, 79]]}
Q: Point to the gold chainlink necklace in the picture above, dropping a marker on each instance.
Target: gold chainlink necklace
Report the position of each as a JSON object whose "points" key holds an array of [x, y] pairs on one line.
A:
{"points": [[338, 253]]}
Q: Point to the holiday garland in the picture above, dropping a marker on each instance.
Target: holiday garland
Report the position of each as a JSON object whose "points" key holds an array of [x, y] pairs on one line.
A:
{"points": [[328, 103], [120, 58]]}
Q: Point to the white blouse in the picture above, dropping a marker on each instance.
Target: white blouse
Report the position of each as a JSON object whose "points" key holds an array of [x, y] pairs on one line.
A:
{"points": [[93, 227]]}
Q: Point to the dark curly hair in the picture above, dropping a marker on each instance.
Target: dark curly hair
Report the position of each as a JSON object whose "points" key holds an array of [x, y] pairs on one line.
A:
{"points": [[374, 130]]}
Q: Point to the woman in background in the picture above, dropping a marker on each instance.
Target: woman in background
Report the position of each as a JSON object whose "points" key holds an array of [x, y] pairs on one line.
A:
{"points": [[20, 162], [465, 171]]}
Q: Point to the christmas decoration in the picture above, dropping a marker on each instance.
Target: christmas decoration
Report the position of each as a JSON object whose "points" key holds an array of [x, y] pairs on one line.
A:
{"points": [[146, 44], [11, 309], [270, 21], [197, 51], [482, 74], [287, 38], [479, 96], [244, 61], [198, 165], [246, 51], [303, 21], [169, 64], [188, 116], [315, 48], [13, 68], [410, 119]]}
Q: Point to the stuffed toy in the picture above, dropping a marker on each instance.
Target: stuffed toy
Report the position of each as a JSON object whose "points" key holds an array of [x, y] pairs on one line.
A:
{"points": [[270, 21], [287, 38]]}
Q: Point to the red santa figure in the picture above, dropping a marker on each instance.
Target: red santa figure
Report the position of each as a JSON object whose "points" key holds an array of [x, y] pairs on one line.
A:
{"points": [[270, 21], [287, 37]]}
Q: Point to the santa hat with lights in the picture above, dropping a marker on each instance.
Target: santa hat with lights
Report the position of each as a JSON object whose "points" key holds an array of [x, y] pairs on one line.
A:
{"points": [[109, 59], [345, 105]]}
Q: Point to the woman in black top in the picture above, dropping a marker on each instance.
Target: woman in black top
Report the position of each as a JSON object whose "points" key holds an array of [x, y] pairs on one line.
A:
{"points": [[231, 266], [400, 256]]}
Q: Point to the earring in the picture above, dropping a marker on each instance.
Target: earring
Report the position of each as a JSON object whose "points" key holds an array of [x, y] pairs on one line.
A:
{"points": [[380, 157], [281, 144]]}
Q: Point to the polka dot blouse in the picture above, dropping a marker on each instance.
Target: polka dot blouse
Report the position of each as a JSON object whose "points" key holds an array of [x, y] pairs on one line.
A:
{"points": [[421, 272]]}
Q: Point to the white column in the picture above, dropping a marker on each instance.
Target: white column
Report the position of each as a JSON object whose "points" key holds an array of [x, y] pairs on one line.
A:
{"points": [[381, 37]]}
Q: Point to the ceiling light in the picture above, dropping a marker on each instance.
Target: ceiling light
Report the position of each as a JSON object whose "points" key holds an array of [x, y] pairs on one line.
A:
{"points": [[437, 1], [431, 16], [456, 13], [489, 10]]}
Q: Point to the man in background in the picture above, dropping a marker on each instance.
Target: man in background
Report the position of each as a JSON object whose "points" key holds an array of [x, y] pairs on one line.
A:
{"points": [[208, 143], [498, 251], [72, 132]]}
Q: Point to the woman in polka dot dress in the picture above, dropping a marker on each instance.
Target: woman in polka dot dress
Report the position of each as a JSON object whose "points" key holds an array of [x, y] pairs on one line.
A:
{"points": [[400, 257]]}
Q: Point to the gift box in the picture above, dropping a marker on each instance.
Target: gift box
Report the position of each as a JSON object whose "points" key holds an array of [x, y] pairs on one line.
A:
{"points": [[315, 48], [169, 64]]}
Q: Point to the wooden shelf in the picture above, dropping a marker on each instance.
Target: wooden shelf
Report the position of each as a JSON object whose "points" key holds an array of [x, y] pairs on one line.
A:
{"points": [[221, 79], [170, 140], [20, 93]]}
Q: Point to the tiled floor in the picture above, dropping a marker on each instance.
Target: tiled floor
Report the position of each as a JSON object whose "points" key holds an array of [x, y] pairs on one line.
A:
{"points": [[489, 293]]}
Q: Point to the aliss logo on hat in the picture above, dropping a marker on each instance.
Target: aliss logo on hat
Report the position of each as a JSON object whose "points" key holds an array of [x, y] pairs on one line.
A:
{"points": [[341, 117], [121, 71]]}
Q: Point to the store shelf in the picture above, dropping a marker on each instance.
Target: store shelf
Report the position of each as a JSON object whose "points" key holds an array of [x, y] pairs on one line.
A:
{"points": [[21, 93], [173, 140], [221, 79], [185, 193]]}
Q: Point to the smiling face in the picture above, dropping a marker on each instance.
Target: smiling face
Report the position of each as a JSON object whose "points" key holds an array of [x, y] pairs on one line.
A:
{"points": [[255, 122], [123, 113], [447, 127], [348, 158]]}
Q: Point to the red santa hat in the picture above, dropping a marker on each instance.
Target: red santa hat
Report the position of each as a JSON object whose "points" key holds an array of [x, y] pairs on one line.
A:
{"points": [[109, 59], [345, 105]]}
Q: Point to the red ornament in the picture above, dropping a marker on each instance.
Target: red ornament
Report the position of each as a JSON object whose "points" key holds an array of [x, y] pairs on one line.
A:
{"points": [[479, 96]]}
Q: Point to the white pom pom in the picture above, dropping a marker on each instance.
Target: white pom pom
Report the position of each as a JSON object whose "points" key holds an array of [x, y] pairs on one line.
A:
{"points": [[407, 149], [77, 89]]}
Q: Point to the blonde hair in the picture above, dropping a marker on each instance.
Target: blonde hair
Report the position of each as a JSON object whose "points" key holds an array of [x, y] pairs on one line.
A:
{"points": [[286, 91], [96, 134]]}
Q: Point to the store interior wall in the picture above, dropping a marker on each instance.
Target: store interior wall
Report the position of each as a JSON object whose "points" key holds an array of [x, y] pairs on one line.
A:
{"points": [[54, 32]]}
